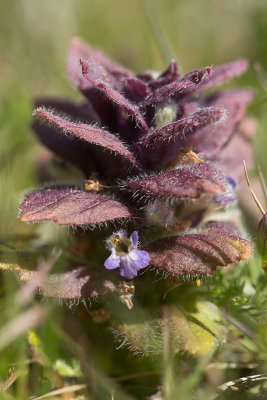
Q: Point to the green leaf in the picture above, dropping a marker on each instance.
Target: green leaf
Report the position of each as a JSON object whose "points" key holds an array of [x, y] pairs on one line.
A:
{"points": [[197, 332]]}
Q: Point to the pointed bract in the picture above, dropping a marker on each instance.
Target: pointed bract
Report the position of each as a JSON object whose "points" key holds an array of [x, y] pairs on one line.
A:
{"points": [[98, 79], [178, 88], [89, 133], [79, 49], [223, 73], [168, 76], [135, 89], [162, 145]]}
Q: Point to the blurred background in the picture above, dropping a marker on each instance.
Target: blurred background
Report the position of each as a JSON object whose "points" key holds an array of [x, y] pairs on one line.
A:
{"points": [[34, 39]]}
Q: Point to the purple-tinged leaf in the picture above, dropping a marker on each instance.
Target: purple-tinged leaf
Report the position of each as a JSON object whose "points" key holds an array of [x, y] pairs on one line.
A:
{"points": [[110, 114], [168, 76], [210, 140], [81, 282], [82, 112], [135, 89], [189, 181], [223, 73], [79, 49], [68, 206], [199, 253], [184, 126], [162, 145], [74, 151], [98, 79], [188, 107], [230, 158], [262, 240], [89, 133], [190, 80]]}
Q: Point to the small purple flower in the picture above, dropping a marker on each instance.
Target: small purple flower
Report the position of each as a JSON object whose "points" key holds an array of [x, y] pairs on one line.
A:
{"points": [[124, 253]]}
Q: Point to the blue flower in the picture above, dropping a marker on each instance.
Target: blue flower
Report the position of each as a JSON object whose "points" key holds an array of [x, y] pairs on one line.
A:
{"points": [[124, 254]]}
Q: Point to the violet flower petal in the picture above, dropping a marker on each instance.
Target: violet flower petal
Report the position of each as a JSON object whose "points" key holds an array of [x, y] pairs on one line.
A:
{"points": [[127, 270], [112, 261], [134, 239], [133, 262]]}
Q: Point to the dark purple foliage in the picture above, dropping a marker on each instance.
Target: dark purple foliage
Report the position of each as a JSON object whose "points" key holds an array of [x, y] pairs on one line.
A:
{"points": [[150, 148], [199, 253], [188, 181], [69, 206]]}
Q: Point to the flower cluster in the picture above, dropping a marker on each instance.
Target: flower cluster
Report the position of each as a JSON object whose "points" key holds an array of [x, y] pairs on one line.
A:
{"points": [[157, 153]]}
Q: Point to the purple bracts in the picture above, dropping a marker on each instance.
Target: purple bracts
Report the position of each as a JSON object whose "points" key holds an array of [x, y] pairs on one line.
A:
{"points": [[156, 152]]}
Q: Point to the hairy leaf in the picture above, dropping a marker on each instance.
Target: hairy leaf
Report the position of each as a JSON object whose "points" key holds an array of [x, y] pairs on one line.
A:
{"points": [[81, 282], [98, 79], [198, 331], [178, 88], [134, 89], [115, 76], [223, 73], [79, 49], [89, 133], [210, 140], [168, 76], [188, 181], [82, 111], [69, 206], [161, 145], [199, 253], [73, 150]]}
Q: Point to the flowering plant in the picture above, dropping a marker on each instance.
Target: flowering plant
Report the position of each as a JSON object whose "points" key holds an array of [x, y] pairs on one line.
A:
{"points": [[158, 155], [158, 159]]}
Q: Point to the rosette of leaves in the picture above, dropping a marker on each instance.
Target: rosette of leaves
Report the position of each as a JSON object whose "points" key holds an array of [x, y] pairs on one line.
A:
{"points": [[158, 155]]}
